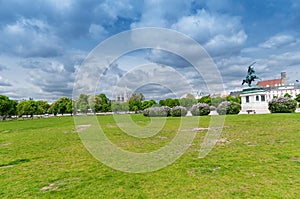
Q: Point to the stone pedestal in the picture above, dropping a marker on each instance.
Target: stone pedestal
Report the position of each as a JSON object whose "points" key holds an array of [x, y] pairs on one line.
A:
{"points": [[254, 101]]}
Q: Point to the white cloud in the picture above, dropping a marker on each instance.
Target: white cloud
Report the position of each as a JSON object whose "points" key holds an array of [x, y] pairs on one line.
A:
{"points": [[4, 82], [220, 34], [278, 41], [30, 38], [97, 31]]}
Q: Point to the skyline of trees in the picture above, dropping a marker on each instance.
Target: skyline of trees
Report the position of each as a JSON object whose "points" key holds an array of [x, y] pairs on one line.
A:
{"points": [[99, 103]]}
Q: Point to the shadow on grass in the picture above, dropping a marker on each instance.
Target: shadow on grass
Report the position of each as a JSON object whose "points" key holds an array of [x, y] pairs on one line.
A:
{"points": [[15, 162]]}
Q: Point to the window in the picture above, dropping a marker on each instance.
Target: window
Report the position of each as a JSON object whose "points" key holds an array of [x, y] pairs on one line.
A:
{"points": [[257, 98], [247, 99], [263, 98]]}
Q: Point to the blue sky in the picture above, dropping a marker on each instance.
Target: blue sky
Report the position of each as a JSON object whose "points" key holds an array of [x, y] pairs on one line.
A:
{"points": [[44, 42]]}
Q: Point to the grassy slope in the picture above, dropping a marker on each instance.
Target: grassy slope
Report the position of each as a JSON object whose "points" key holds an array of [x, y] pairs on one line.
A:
{"points": [[45, 158]]}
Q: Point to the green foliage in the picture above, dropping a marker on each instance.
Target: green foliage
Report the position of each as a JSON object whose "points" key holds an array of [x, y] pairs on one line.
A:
{"points": [[282, 105], [206, 100], [28, 107], [287, 95], [228, 107], [53, 109], [169, 102], [42, 107], [64, 105], [147, 104], [119, 107], [135, 101], [233, 99], [187, 102], [297, 98], [7, 106], [216, 101], [178, 111], [82, 103], [200, 109], [162, 102]]}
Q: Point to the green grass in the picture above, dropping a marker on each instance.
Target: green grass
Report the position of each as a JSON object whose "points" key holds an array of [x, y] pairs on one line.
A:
{"points": [[259, 157]]}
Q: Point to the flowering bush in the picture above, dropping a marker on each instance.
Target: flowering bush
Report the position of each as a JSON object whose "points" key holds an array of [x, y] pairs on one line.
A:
{"points": [[178, 111], [200, 109], [212, 108], [162, 111], [228, 107], [282, 105]]}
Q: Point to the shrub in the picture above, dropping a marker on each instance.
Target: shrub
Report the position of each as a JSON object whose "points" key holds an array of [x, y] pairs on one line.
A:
{"points": [[162, 111], [200, 109], [282, 105], [178, 111], [228, 107], [212, 108]]}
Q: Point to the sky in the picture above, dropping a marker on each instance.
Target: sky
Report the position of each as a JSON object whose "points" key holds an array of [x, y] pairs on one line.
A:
{"points": [[43, 43]]}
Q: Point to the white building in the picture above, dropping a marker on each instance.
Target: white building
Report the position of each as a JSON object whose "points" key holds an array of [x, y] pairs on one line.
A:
{"points": [[256, 99], [280, 91]]}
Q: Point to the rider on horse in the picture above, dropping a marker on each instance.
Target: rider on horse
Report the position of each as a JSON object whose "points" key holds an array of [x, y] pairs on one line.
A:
{"points": [[251, 76]]}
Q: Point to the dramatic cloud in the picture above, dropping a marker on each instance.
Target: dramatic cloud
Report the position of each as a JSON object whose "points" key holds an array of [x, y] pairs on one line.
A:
{"points": [[43, 43], [30, 38]]}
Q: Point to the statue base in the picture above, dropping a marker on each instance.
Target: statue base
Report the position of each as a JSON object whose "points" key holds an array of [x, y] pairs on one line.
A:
{"points": [[253, 89], [254, 100]]}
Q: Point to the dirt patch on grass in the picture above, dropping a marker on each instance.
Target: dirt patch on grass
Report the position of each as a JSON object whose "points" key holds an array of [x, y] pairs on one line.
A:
{"points": [[203, 129], [61, 184], [83, 127], [223, 141], [6, 144], [295, 159]]}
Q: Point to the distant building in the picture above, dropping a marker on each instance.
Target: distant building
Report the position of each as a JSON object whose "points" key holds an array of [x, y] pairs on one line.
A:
{"points": [[274, 82], [122, 96], [280, 91]]}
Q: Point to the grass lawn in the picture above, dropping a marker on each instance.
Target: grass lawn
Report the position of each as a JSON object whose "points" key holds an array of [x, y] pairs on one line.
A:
{"points": [[257, 157]]}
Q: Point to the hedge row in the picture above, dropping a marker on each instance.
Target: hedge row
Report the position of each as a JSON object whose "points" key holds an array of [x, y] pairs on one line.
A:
{"points": [[165, 111], [282, 105], [199, 109]]}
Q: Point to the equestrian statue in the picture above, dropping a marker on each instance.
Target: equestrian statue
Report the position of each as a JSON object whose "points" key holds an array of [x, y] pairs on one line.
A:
{"points": [[251, 76]]}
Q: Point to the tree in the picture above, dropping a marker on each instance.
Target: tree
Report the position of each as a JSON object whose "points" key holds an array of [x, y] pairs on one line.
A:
{"points": [[82, 103], [7, 106], [216, 101], [233, 99], [147, 104], [28, 107], [53, 109], [135, 101], [64, 105], [205, 99], [172, 102], [162, 102], [116, 107], [100, 103], [187, 102], [42, 107], [190, 96]]}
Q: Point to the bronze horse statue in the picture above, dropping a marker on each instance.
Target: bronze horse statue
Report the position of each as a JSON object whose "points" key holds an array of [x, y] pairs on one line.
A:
{"points": [[251, 76]]}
